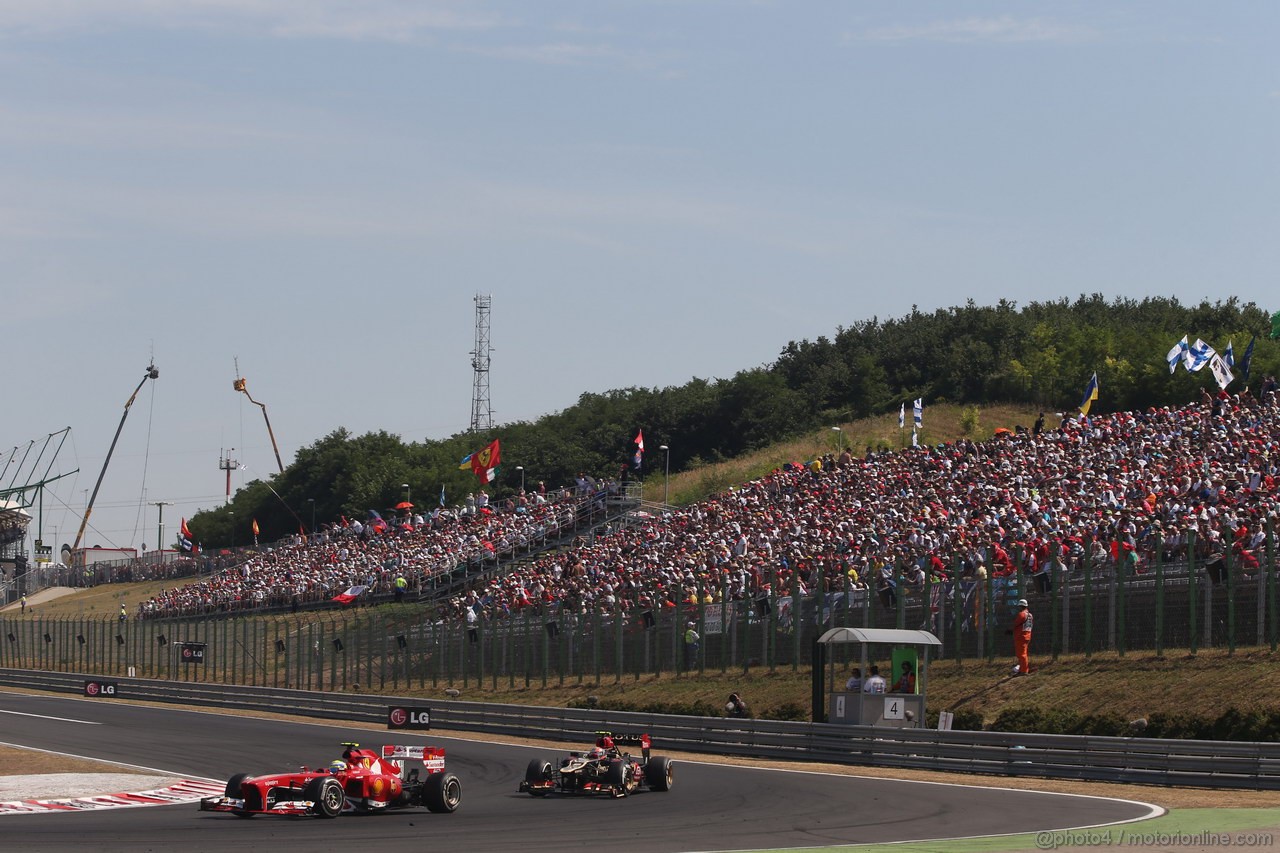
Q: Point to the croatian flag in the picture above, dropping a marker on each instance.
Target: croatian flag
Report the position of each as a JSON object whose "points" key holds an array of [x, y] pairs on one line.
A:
{"points": [[350, 595]]}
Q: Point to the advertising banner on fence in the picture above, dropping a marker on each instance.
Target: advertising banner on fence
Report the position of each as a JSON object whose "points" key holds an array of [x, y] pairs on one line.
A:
{"points": [[399, 717], [192, 652], [98, 689]]}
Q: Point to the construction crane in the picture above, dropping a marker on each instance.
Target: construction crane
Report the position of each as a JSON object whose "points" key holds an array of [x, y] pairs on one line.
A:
{"points": [[240, 386], [151, 373]]}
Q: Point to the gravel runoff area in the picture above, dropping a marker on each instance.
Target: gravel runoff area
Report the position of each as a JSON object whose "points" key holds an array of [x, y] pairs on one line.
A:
{"points": [[63, 786]]}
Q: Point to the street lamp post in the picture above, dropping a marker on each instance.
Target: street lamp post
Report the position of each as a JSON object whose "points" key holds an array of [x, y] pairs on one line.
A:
{"points": [[520, 468], [839, 436], [312, 501], [408, 492], [666, 477], [232, 513]]}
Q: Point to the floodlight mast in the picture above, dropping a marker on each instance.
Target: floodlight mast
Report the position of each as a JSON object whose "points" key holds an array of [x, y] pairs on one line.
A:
{"points": [[240, 386], [151, 373]]}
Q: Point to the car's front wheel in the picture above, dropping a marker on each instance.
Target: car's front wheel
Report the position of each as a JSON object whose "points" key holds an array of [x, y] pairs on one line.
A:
{"points": [[538, 773], [234, 790], [616, 777], [327, 795]]}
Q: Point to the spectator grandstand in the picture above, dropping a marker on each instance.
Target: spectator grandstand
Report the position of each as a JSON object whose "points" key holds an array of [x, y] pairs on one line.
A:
{"points": [[1108, 488]]}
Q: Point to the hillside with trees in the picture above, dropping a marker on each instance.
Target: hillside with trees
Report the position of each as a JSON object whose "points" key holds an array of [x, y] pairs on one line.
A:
{"points": [[1040, 356]]}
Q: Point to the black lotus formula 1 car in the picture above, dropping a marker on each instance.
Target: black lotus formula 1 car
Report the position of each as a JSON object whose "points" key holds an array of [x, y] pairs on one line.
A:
{"points": [[604, 769]]}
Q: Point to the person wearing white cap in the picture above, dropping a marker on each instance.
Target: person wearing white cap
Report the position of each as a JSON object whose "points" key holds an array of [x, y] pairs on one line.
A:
{"points": [[1021, 631]]}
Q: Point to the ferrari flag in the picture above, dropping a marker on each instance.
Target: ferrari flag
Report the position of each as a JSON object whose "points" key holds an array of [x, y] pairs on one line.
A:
{"points": [[639, 457], [484, 463]]}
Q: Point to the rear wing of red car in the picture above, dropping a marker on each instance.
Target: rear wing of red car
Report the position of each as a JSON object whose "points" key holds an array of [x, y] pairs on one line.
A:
{"points": [[432, 757]]}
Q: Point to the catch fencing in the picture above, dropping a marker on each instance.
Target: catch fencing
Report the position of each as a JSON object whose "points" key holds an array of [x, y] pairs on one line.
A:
{"points": [[1186, 606]]}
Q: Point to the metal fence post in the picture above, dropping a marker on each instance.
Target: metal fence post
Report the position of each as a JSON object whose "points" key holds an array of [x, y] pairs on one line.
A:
{"points": [[1122, 582], [1088, 604], [1159, 595], [1111, 602], [1055, 590], [797, 608], [899, 594], [1228, 545], [1191, 589], [1208, 615], [1271, 584], [957, 604], [988, 614]]}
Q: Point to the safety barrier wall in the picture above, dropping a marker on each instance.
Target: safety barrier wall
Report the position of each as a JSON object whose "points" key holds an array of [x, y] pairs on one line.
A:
{"points": [[1211, 764]]}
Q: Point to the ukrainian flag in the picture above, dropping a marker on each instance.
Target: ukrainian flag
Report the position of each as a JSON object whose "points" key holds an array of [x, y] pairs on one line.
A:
{"points": [[1090, 394]]}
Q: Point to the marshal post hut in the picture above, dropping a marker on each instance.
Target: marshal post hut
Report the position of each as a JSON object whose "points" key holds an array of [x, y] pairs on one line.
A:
{"points": [[902, 705]]}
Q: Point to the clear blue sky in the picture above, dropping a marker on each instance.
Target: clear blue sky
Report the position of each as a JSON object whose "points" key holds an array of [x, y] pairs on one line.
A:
{"points": [[650, 191]]}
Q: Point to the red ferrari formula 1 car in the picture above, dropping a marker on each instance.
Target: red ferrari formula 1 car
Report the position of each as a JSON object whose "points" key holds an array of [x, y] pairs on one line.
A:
{"points": [[605, 769], [361, 781]]}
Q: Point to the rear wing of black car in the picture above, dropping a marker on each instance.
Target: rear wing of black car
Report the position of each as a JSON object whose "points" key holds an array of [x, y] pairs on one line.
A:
{"points": [[640, 740]]}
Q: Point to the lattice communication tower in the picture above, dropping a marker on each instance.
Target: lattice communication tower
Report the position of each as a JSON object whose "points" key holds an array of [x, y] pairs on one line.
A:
{"points": [[481, 411]]}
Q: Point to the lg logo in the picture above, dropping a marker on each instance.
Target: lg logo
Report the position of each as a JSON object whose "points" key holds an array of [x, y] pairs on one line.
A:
{"points": [[408, 718], [99, 688]]}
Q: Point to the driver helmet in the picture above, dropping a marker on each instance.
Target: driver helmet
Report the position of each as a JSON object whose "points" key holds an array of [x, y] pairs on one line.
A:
{"points": [[605, 742], [596, 754], [337, 766]]}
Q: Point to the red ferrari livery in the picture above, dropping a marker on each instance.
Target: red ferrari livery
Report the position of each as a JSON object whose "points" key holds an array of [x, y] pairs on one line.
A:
{"points": [[361, 781]]}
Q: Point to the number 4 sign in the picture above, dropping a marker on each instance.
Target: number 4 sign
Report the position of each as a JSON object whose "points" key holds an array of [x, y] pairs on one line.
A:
{"points": [[893, 708]]}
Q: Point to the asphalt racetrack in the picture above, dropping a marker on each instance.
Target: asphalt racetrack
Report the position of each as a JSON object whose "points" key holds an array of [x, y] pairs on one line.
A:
{"points": [[710, 807]]}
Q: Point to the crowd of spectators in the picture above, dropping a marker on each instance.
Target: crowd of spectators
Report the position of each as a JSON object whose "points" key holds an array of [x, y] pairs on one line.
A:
{"points": [[1105, 488], [373, 553]]}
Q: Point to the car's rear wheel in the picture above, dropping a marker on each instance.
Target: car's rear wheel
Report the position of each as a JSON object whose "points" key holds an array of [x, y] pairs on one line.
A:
{"points": [[442, 793], [658, 773], [327, 795], [538, 773]]}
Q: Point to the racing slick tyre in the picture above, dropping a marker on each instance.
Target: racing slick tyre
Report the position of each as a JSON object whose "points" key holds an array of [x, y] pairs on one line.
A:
{"points": [[233, 786], [327, 795], [233, 790], [616, 776], [657, 772], [539, 771], [441, 793]]}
